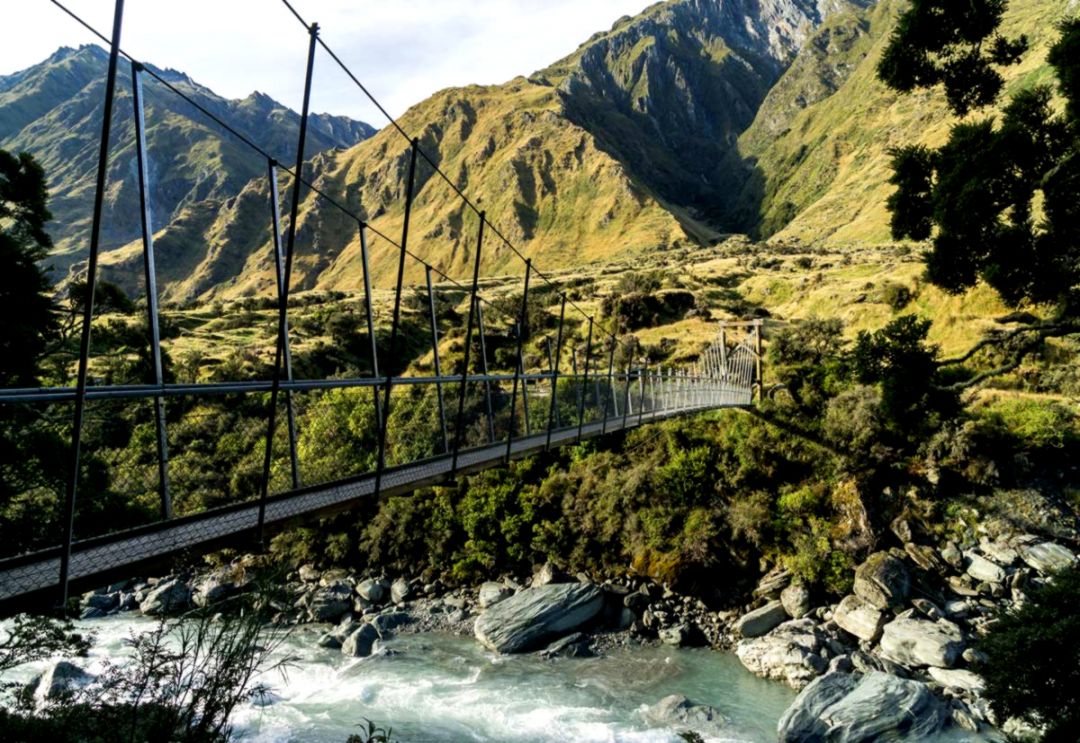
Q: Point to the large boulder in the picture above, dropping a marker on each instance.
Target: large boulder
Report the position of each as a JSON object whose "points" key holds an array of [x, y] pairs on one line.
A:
{"points": [[359, 644], [212, 589], [400, 591], [918, 642], [788, 654], [762, 621], [884, 581], [59, 679], [169, 597], [859, 618], [983, 570], [845, 708], [954, 678], [531, 618], [331, 604], [372, 590], [1047, 557]]}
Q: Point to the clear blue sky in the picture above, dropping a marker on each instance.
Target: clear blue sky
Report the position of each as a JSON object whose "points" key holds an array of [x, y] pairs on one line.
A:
{"points": [[404, 50]]}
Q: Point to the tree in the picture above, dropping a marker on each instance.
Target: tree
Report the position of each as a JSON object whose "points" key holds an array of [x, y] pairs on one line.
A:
{"points": [[1033, 660], [977, 197], [26, 311]]}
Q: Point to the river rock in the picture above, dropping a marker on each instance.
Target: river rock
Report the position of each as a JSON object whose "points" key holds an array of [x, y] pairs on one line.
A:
{"points": [[999, 552], [359, 644], [1047, 557], [678, 710], [981, 569], [58, 680], [955, 678], [843, 708], [308, 573], [796, 600], [859, 617], [762, 621], [372, 590], [400, 591], [546, 575], [775, 581], [534, 616], [211, 589], [105, 602], [788, 654], [330, 604], [575, 645], [917, 642], [676, 636], [166, 598], [883, 580], [492, 593]]}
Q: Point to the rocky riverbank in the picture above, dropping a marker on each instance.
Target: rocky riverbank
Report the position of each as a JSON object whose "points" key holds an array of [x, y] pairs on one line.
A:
{"points": [[896, 654]]}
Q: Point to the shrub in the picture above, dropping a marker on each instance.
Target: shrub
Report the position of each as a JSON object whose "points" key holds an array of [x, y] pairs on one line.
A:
{"points": [[1033, 660]]}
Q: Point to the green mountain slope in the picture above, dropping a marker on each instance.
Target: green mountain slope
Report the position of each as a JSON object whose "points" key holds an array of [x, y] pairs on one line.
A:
{"points": [[815, 163], [52, 110]]}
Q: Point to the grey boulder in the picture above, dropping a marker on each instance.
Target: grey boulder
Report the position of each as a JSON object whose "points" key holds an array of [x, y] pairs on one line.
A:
{"points": [[796, 600], [789, 654], [883, 580], [372, 590], [360, 643], [844, 708], [859, 618], [762, 621], [1048, 557], [678, 710], [981, 569], [58, 680], [166, 598], [492, 593], [918, 642], [531, 618]]}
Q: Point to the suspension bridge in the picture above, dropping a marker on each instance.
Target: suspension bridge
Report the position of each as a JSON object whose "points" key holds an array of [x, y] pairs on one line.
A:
{"points": [[550, 387]]}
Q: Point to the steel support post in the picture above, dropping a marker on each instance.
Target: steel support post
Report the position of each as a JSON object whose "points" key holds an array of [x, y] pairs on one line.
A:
{"points": [[279, 267], [758, 349], [468, 343], [519, 369], [552, 415], [396, 322], [612, 397], [484, 369], [150, 270], [438, 362], [626, 398], [641, 392], [369, 311], [585, 382], [283, 305], [88, 308]]}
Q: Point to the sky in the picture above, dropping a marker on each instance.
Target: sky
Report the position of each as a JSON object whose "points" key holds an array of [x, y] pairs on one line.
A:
{"points": [[402, 50]]}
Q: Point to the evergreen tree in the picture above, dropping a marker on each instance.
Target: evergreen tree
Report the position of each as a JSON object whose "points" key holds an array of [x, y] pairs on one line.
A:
{"points": [[26, 311]]}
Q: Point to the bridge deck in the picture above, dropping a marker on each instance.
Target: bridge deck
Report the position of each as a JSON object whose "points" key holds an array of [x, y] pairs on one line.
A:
{"points": [[94, 561]]}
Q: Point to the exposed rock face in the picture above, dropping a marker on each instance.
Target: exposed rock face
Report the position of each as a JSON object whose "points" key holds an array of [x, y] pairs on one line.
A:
{"points": [[917, 642], [166, 598], [534, 616], [844, 708], [763, 620], [788, 654], [883, 581], [860, 618]]}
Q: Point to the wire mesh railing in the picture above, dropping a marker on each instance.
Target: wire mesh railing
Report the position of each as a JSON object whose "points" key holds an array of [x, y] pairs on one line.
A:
{"points": [[463, 377]]}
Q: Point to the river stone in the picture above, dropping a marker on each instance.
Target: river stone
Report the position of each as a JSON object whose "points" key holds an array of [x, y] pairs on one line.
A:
{"points": [[796, 600], [918, 642], [534, 616], [859, 617], [678, 710], [492, 593], [210, 590], [982, 570], [999, 552], [955, 678], [762, 621], [571, 646], [788, 654], [308, 573], [372, 590], [883, 580], [773, 583], [59, 679], [676, 636], [103, 601], [1047, 557], [844, 708], [330, 604], [166, 598], [400, 591], [359, 644]]}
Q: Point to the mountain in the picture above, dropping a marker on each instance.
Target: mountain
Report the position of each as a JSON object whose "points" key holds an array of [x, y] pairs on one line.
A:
{"points": [[53, 111], [613, 152], [814, 165]]}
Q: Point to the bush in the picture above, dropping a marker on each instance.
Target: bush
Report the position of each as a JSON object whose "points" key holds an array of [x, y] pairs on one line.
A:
{"points": [[1033, 666]]}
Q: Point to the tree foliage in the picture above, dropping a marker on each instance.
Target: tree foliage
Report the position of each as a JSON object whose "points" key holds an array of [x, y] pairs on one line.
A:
{"points": [[998, 198]]}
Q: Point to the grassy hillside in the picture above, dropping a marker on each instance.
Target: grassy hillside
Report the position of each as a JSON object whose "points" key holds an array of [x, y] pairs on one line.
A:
{"points": [[819, 162]]}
